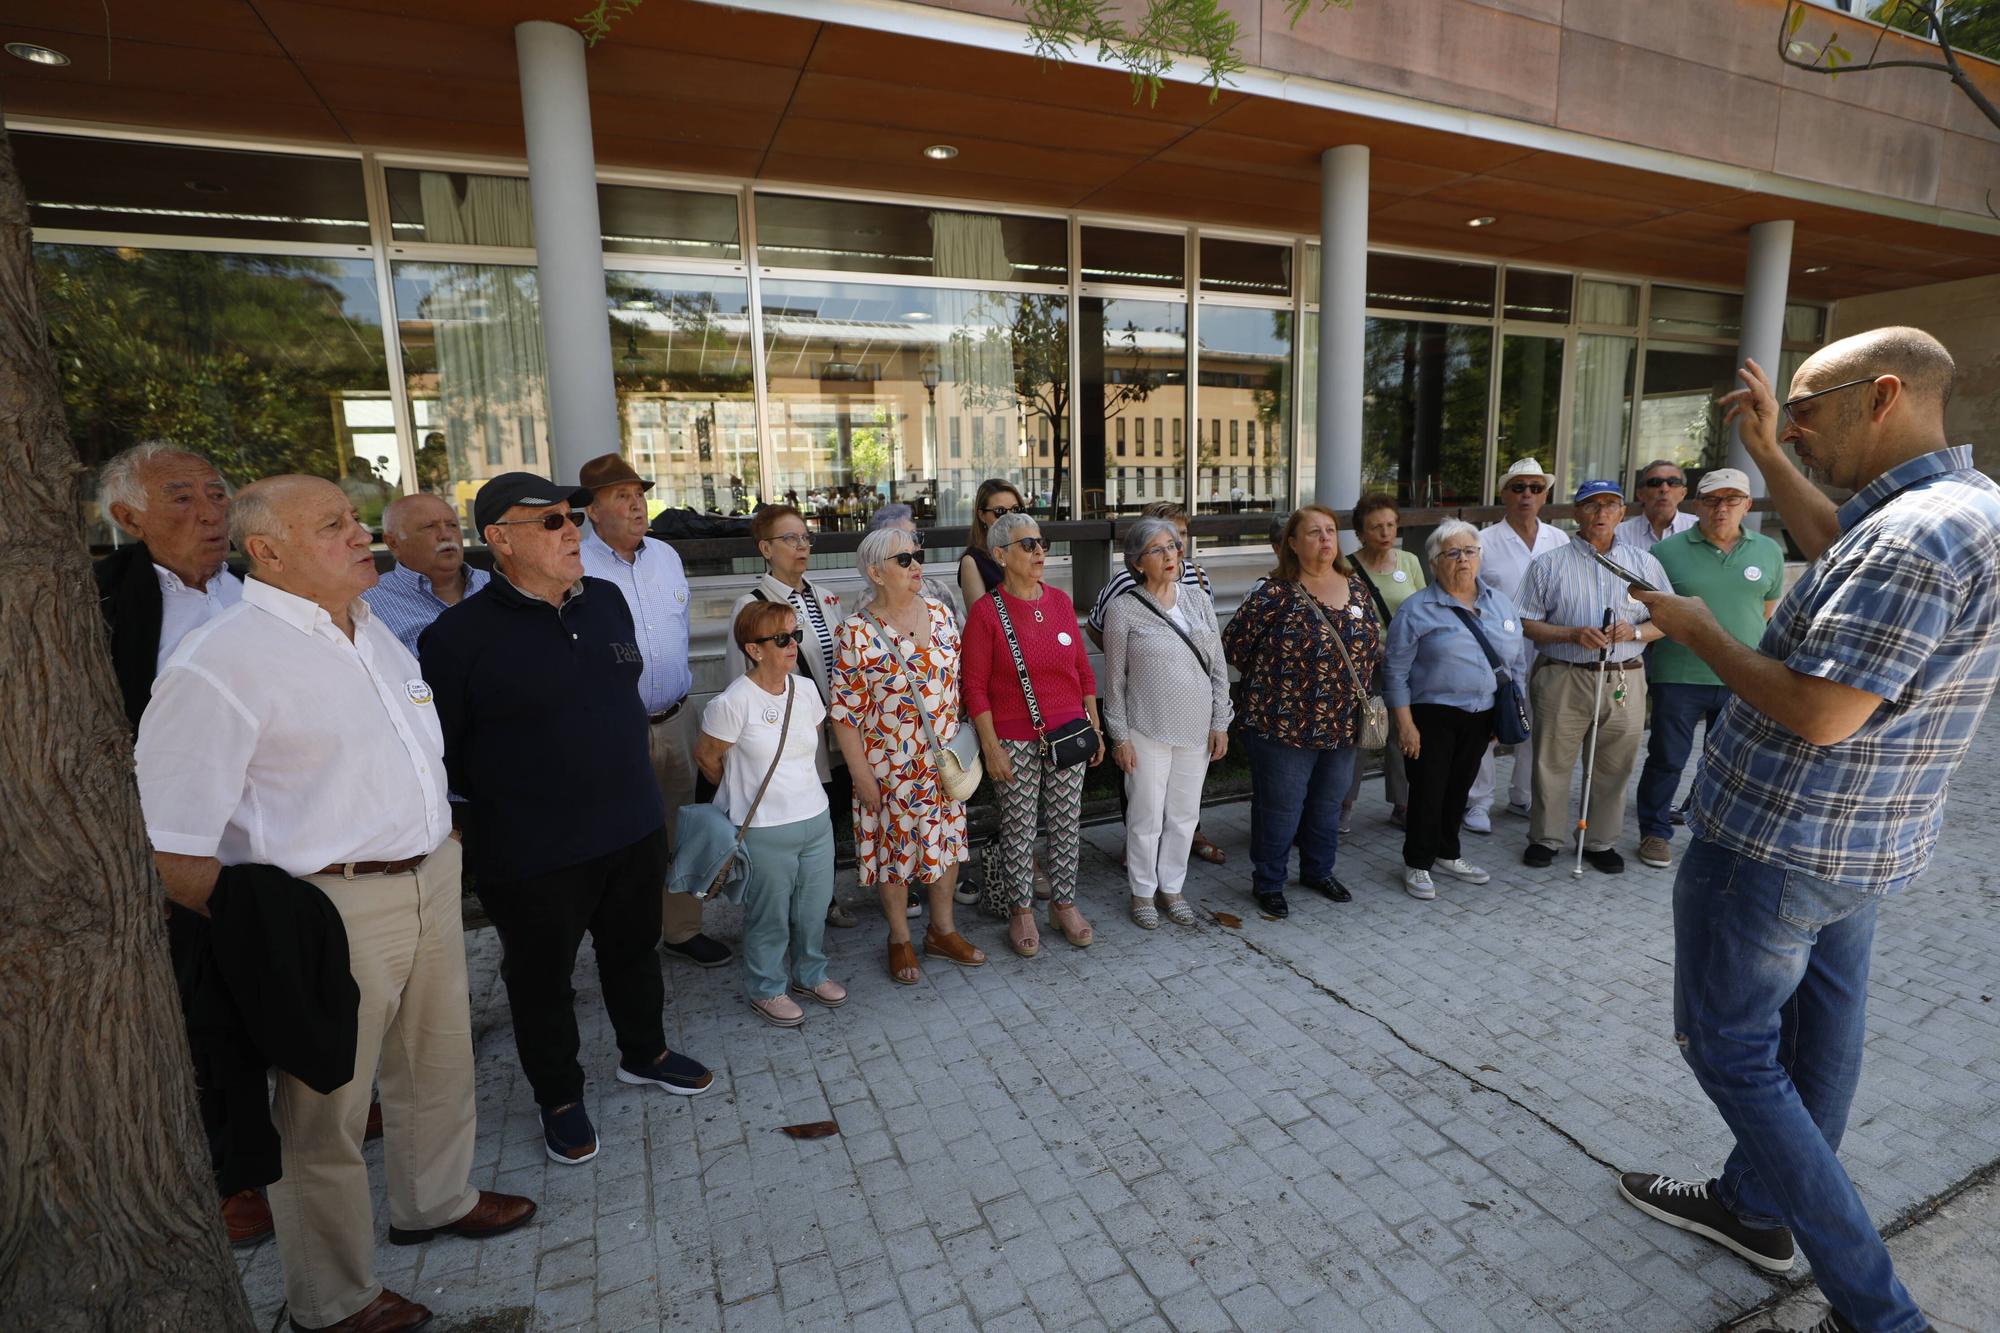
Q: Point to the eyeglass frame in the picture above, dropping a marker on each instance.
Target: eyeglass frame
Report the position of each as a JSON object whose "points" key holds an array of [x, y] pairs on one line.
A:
{"points": [[1176, 548], [1785, 415], [798, 541], [1662, 483], [1040, 544], [784, 638], [1002, 513], [575, 517], [1525, 488], [1455, 554], [904, 559]]}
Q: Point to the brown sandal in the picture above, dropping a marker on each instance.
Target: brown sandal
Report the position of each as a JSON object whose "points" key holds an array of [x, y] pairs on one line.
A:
{"points": [[1208, 851], [1060, 916], [953, 948], [903, 958], [1027, 945]]}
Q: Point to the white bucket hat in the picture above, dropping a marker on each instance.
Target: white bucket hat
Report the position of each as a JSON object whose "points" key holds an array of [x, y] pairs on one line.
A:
{"points": [[1526, 467]]}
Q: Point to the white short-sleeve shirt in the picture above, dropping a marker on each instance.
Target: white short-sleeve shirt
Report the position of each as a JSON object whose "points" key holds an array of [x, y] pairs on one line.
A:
{"points": [[750, 717], [1504, 558], [184, 610]]}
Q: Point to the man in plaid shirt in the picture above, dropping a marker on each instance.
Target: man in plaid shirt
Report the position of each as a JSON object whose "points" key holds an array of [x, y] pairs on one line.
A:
{"points": [[1820, 793]]}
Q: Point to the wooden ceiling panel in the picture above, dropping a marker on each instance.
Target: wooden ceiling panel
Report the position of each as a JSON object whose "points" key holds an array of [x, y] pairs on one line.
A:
{"points": [[423, 47], [943, 115], [1319, 129], [1424, 211], [905, 148], [1246, 193], [216, 25], [918, 179], [1503, 199], [1559, 171], [685, 76]]}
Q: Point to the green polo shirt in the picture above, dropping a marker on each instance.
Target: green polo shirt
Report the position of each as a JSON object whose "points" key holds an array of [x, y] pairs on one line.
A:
{"points": [[1736, 585]]}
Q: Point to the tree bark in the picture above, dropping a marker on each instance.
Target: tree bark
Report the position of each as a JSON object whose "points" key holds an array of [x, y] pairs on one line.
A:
{"points": [[108, 1214]]}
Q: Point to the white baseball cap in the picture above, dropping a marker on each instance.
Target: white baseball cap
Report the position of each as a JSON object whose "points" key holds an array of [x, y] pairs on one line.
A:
{"points": [[1526, 467], [1723, 479]]}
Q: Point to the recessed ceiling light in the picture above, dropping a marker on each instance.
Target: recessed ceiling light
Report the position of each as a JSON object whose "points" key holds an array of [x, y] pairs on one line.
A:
{"points": [[940, 152], [1480, 222], [1819, 268], [36, 55]]}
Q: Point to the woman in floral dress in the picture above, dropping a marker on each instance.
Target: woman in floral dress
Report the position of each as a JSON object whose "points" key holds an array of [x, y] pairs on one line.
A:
{"points": [[907, 831]]}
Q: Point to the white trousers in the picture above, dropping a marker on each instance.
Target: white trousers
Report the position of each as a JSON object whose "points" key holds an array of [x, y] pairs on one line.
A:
{"points": [[1521, 790], [1164, 794]]}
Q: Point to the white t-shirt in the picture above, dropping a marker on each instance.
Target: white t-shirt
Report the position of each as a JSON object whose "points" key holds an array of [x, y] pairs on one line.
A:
{"points": [[1178, 616], [750, 717]]}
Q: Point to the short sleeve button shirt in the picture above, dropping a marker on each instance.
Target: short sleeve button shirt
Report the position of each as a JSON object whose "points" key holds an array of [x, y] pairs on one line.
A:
{"points": [[656, 589], [1568, 587], [1904, 605], [1504, 558]]}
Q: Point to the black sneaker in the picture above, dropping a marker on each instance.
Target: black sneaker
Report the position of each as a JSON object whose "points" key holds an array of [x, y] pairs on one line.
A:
{"points": [[701, 951], [1538, 856], [1332, 888], [1608, 860], [1686, 1204], [678, 1074], [1272, 904], [568, 1134]]}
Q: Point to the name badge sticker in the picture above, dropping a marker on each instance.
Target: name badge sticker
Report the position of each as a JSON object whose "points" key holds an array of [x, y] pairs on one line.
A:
{"points": [[1064, 639], [1752, 573], [1507, 625], [680, 596], [419, 691], [1400, 576]]}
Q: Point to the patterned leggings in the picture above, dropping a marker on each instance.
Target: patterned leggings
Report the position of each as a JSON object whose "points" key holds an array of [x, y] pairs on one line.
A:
{"points": [[1043, 797]]}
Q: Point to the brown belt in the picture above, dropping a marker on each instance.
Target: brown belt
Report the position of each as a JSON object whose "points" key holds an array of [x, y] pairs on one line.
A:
{"points": [[664, 715], [353, 869], [1632, 664]]}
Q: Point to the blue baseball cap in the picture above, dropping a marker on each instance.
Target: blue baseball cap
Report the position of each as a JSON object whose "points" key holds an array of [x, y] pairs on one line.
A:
{"points": [[1590, 489]]}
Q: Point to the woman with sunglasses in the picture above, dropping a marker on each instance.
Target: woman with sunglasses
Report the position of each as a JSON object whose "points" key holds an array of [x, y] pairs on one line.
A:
{"points": [[897, 666], [790, 838], [1058, 666], [786, 544], [904, 519], [978, 572]]}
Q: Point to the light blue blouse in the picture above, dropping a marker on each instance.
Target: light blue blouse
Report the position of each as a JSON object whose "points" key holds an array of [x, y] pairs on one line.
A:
{"points": [[1434, 658]]}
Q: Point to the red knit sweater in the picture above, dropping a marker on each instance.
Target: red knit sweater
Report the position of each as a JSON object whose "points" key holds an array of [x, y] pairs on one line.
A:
{"points": [[1061, 670]]}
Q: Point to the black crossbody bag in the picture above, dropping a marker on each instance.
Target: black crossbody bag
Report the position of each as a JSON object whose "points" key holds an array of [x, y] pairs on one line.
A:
{"points": [[1070, 744], [1510, 714]]}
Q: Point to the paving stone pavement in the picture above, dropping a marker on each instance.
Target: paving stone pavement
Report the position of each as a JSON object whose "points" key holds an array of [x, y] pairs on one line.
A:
{"points": [[1379, 1115]]}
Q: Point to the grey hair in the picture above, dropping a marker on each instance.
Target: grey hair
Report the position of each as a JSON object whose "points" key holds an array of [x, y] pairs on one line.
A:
{"points": [[119, 483], [874, 552], [254, 513], [1444, 532], [1658, 463], [1004, 527], [1140, 535], [889, 515]]}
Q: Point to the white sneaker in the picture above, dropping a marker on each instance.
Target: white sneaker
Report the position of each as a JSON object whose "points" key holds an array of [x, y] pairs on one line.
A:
{"points": [[1417, 883], [1464, 870], [1478, 821]]}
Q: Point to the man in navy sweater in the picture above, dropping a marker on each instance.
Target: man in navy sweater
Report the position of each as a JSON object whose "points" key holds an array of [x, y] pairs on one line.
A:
{"points": [[532, 674]]}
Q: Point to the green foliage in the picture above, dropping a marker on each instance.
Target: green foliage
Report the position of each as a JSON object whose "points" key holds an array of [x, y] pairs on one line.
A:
{"points": [[597, 24], [1201, 30], [1969, 25]]}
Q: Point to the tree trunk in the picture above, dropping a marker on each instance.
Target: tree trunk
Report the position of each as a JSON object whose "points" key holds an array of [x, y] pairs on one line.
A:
{"points": [[108, 1216]]}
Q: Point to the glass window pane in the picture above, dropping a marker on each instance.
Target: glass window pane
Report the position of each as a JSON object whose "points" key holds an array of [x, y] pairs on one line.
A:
{"points": [[466, 208], [852, 425], [1309, 279], [264, 363], [1134, 369], [681, 224], [1601, 413], [1530, 398], [1404, 282], [794, 231], [1804, 324], [1308, 416], [1134, 258], [1423, 416], [1241, 267], [1615, 303], [1678, 418], [475, 373], [1693, 314], [1537, 296], [1243, 464], [162, 189], [681, 357]]}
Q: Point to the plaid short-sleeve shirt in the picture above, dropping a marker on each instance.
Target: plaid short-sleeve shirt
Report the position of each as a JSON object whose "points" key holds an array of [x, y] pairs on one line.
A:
{"points": [[1905, 605]]}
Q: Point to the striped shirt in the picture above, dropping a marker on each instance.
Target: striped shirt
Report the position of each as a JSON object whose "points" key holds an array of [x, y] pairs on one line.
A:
{"points": [[656, 588], [1567, 587], [403, 600], [1903, 605], [1192, 576]]}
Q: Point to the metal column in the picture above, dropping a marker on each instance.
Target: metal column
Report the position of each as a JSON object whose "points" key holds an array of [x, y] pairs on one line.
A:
{"points": [[1343, 296], [1765, 279]]}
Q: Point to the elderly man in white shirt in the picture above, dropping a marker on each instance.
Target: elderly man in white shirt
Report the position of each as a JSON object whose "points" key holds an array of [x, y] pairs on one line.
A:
{"points": [[295, 731], [1506, 549], [1663, 484]]}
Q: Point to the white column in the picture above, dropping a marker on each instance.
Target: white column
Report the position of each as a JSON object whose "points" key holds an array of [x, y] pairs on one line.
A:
{"points": [[1343, 295], [569, 247], [1764, 286]]}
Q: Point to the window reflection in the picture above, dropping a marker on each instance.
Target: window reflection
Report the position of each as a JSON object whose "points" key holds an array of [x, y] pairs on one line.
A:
{"points": [[1134, 385], [1531, 372], [1243, 442], [1423, 426], [1679, 419], [687, 412], [1601, 416]]}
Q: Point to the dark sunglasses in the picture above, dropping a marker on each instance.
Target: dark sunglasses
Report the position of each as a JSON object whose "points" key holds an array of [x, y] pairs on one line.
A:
{"points": [[905, 559], [1791, 404], [547, 522], [1657, 483], [1029, 544], [784, 640], [1002, 509], [1526, 488]]}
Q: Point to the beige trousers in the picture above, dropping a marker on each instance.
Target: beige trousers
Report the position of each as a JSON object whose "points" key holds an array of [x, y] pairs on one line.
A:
{"points": [[406, 948], [1561, 696], [680, 913]]}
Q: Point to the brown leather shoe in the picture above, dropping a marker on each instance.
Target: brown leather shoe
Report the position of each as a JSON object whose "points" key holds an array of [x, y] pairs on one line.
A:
{"points": [[246, 1216], [387, 1313], [492, 1215]]}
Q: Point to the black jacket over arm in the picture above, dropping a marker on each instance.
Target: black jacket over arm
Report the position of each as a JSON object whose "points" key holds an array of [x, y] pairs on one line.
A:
{"points": [[128, 592]]}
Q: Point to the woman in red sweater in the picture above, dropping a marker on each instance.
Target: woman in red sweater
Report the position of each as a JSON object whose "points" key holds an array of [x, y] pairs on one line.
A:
{"points": [[1058, 665]]}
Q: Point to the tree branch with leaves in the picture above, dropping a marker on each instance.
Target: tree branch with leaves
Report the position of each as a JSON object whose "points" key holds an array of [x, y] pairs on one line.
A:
{"points": [[1923, 18], [1147, 48]]}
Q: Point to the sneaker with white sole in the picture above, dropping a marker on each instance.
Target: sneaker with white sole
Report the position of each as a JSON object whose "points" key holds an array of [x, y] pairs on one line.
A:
{"points": [[1417, 883], [1688, 1205], [1463, 869], [1656, 852], [1477, 821]]}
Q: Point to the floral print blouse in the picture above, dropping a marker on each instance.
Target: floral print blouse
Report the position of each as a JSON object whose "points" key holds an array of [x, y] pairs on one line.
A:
{"points": [[1295, 689]]}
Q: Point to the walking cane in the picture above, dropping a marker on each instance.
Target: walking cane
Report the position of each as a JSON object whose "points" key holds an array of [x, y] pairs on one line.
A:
{"points": [[1590, 762]]}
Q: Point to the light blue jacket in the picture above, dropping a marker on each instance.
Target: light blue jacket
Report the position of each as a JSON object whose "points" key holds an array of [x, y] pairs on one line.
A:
{"points": [[705, 842], [1434, 659]]}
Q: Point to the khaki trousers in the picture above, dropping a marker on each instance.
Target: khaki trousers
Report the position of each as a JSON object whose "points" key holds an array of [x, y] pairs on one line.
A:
{"points": [[680, 913], [406, 948], [1562, 697]]}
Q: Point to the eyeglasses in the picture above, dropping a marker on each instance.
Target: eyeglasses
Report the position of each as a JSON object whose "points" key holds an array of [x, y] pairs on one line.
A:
{"points": [[1174, 548], [784, 640], [904, 559], [1658, 483], [997, 510], [547, 522], [1791, 405], [1028, 544], [1722, 501], [1459, 553], [798, 541], [1526, 488]]}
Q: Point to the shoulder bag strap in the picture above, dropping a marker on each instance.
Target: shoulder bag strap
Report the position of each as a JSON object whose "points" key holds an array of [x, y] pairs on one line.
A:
{"points": [[1333, 630], [791, 693], [1492, 658], [1373, 591], [1134, 590], [887, 638], [1020, 665]]}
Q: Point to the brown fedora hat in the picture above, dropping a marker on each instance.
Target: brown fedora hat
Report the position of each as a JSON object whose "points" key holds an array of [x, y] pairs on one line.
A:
{"points": [[609, 470]]}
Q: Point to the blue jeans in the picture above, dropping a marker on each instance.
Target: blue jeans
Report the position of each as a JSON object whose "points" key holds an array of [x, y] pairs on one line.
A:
{"points": [[1770, 1007], [1676, 708], [1295, 796]]}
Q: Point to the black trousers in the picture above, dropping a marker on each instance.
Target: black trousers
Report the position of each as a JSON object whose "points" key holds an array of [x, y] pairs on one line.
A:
{"points": [[542, 920], [1451, 743]]}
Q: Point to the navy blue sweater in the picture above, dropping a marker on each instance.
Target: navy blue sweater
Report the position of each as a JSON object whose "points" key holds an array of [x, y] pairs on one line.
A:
{"points": [[544, 733]]}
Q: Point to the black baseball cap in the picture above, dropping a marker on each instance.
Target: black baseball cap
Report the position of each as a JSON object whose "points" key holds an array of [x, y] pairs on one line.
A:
{"points": [[508, 489]]}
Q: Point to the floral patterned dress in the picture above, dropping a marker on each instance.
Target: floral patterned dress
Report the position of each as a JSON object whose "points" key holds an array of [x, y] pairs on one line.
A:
{"points": [[919, 832]]}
